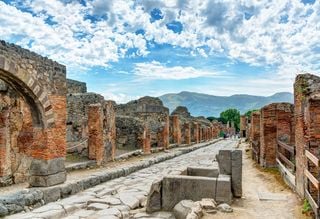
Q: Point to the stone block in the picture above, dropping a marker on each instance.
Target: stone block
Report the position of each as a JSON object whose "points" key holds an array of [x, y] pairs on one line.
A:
{"points": [[224, 160], [154, 197], [203, 171], [51, 194], [49, 180], [236, 173], [223, 192], [47, 167], [178, 188]]}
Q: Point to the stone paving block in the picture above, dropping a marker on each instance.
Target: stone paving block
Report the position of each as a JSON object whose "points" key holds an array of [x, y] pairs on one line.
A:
{"points": [[223, 190], [154, 197], [178, 188], [236, 175]]}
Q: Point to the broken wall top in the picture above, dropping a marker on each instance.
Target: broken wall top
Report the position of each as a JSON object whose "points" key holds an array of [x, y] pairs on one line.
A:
{"points": [[49, 74], [76, 86], [181, 111]]}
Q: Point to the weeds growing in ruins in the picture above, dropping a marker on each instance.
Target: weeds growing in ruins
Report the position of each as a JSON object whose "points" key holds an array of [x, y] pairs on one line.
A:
{"points": [[306, 207]]}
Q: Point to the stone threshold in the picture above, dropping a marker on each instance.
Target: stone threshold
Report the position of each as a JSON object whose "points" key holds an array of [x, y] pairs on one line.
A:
{"points": [[28, 199]]}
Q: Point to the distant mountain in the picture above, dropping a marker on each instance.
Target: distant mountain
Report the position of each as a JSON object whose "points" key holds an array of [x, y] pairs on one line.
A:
{"points": [[208, 105]]}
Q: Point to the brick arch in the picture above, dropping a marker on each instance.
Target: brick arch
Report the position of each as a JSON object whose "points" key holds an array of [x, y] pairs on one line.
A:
{"points": [[30, 89]]}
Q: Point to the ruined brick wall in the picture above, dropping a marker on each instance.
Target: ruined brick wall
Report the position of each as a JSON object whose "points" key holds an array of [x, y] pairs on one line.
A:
{"points": [[42, 84], [268, 136], [255, 135], [285, 123], [306, 110], [243, 126], [74, 86], [152, 113], [77, 120]]}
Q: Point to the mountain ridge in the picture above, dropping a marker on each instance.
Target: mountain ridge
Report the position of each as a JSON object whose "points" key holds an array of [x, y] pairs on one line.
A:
{"points": [[200, 104]]}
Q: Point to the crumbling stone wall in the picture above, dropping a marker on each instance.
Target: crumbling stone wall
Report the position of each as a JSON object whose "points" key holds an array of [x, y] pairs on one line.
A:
{"points": [[76, 86], [42, 85], [78, 105], [154, 116]]}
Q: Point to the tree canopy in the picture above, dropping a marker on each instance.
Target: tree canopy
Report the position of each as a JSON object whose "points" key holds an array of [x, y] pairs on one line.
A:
{"points": [[248, 113], [231, 115]]}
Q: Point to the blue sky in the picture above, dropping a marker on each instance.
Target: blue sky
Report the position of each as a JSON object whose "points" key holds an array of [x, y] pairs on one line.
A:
{"points": [[126, 49]]}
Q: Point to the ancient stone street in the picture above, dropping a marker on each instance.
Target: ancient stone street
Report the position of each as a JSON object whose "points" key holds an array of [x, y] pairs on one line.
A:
{"points": [[125, 197]]}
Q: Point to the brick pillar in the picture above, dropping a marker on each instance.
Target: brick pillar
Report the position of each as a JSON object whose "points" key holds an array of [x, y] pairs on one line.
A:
{"points": [[164, 135], [268, 138], [146, 147], [176, 130], [187, 135], [196, 132], [96, 141], [243, 121], [255, 136], [200, 134]]}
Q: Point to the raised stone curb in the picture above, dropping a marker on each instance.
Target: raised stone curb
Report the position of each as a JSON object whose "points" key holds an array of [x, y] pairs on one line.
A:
{"points": [[29, 199]]}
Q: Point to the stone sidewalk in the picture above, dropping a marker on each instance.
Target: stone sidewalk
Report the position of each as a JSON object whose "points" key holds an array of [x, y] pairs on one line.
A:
{"points": [[125, 197]]}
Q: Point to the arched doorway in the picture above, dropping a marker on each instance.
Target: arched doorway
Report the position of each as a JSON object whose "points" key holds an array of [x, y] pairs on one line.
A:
{"points": [[40, 88]]}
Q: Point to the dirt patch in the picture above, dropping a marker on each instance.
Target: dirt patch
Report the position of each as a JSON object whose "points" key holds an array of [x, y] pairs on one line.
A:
{"points": [[258, 180]]}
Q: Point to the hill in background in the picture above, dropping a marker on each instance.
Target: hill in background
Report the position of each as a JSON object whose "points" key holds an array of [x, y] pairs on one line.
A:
{"points": [[209, 105]]}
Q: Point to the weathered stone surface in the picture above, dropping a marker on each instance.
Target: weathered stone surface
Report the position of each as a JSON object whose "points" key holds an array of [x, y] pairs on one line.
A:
{"points": [[202, 171], [183, 208], [236, 175], [3, 210], [49, 180], [177, 188], [51, 194], [154, 197], [224, 160], [225, 208], [97, 206], [223, 192], [109, 212], [129, 200]]}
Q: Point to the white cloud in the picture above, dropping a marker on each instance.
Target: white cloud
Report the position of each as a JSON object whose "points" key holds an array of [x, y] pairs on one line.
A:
{"points": [[155, 70]]}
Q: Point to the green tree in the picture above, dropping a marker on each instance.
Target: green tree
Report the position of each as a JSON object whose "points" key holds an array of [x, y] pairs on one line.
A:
{"points": [[212, 118], [248, 113], [231, 115]]}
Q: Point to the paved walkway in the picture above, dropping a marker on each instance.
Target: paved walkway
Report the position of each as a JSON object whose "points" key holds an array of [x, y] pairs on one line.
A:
{"points": [[124, 197]]}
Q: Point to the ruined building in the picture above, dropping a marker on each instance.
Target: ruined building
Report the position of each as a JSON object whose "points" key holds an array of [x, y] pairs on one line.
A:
{"points": [[142, 124], [33, 118], [89, 115]]}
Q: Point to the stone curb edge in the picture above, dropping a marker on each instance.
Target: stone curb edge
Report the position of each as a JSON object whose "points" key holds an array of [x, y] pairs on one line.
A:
{"points": [[27, 199]]}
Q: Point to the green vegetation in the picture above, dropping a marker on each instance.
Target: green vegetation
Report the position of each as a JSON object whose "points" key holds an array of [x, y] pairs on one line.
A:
{"points": [[248, 113], [306, 207], [232, 116]]}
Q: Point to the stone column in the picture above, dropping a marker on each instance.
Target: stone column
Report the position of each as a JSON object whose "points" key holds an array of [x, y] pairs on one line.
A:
{"points": [[176, 129], [254, 136], [95, 124], [243, 121], [5, 165], [187, 135], [146, 147], [196, 132], [109, 129], [165, 133]]}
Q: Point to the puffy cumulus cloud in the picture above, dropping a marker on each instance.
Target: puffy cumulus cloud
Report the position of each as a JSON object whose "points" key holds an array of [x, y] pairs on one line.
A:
{"points": [[155, 70], [257, 32]]}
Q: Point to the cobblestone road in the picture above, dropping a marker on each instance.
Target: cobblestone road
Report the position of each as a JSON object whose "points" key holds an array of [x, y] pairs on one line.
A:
{"points": [[124, 197]]}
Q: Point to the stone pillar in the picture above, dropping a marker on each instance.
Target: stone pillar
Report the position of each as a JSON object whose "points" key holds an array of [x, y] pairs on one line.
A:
{"points": [[109, 128], [196, 132], [165, 134], [176, 130], [5, 165], [268, 138], [187, 135], [146, 147], [243, 121], [255, 136], [95, 142], [200, 134], [49, 146]]}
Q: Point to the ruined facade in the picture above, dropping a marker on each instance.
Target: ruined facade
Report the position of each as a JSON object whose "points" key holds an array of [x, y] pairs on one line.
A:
{"points": [[78, 123], [39, 86], [151, 120], [243, 126]]}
